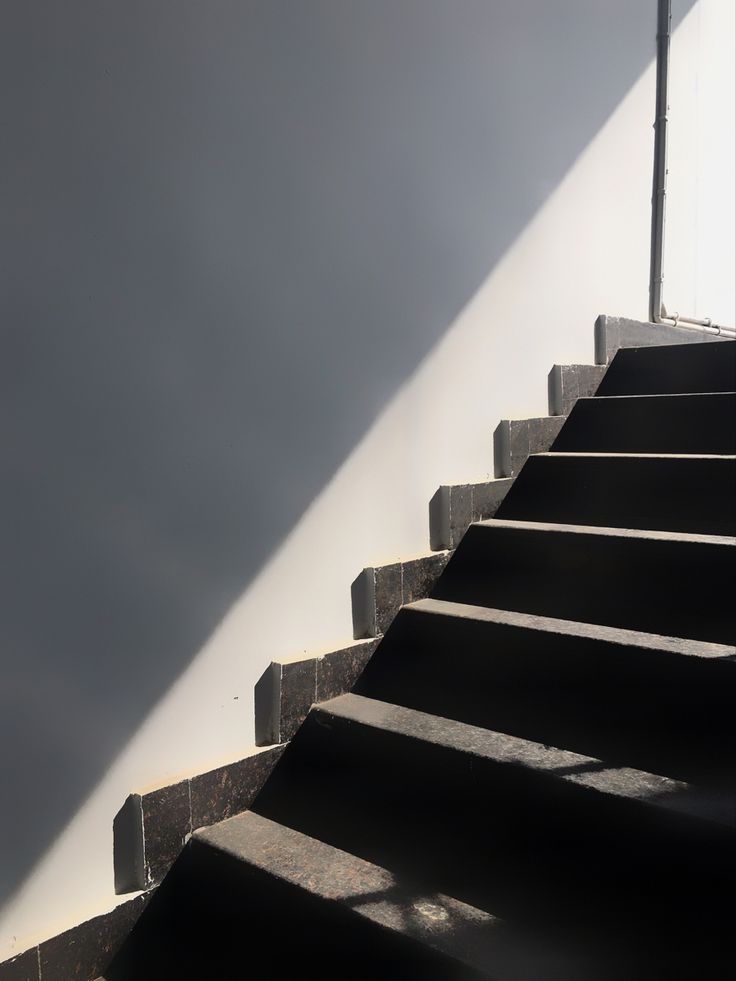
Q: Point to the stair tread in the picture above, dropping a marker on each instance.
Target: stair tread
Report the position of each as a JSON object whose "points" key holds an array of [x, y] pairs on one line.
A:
{"points": [[586, 771], [573, 777], [469, 935], [675, 368], [626, 490], [664, 396], [576, 628], [607, 531], [663, 582], [698, 422], [659, 704], [627, 455]]}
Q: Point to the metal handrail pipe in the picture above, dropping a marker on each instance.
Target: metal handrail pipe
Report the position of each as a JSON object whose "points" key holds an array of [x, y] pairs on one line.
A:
{"points": [[657, 311]]}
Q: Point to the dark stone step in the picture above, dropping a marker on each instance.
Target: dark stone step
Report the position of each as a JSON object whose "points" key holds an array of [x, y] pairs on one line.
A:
{"points": [[671, 369], [249, 892], [542, 836], [667, 493], [695, 424], [656, 703], [675, 584], [614, 333]]}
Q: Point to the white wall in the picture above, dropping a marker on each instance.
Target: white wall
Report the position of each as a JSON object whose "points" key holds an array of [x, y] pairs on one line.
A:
{"points": [[276, 272], [700, 230]]}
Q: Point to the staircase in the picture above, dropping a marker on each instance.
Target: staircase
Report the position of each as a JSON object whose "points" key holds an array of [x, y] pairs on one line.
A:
{"points": [[534, 776]]}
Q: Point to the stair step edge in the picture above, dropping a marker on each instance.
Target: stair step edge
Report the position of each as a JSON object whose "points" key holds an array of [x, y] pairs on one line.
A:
{"points": [[575, 628], [605, 531], [467, 935], [654, 790]]}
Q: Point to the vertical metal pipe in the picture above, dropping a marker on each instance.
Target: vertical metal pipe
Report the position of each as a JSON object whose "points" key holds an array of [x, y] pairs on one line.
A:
{"points": [[657, 311], [659, 182]]}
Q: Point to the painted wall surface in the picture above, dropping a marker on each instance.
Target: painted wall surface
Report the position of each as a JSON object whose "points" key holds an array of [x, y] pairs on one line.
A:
{"points": [[272, 273], [700, 230]]}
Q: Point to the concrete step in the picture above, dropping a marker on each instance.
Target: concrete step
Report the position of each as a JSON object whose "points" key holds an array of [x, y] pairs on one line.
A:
{"points": [[667, 493], [614, 333], [515, 439], [651, 424], [532, 833], [455, 506], [638, 699], [251, 897], [671, 369], [566, 383], [674, 584]]}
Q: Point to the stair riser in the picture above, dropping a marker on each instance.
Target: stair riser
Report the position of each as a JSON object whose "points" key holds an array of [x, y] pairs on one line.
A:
{"points": [[675, 494], [651, 424], [651, 709], [614, 333], [216, 916], [669, 587], [672, 369], [567, 383], [503, 838]]}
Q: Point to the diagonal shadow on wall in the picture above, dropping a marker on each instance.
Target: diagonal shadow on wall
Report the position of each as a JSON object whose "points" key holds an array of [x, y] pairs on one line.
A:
{"points": [[231, 231]]}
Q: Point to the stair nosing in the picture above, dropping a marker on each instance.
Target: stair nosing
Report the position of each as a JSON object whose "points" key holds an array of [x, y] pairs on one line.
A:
{"points": [[577, 628], [627, 454], [606, 531], [335, 875], [542, 759], [652, 395]]}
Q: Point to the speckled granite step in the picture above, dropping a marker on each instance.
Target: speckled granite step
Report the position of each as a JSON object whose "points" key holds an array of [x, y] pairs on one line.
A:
{"points": [[642, 700], [510, 826], [692, 424], [671, 369], [626, 491], [258, 889], [668, 583]]}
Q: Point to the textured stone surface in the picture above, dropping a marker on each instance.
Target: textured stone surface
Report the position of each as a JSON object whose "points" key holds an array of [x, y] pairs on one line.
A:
{"points": [[671, 369], [462, 932], [612, 333], [24, 967], [387, 595], [518, 446], [542, 433], [439, 519], [129, 868], [266, 695], [662, 704], [454, 507], [488, 496], [230, 789], [658, 582], [297, 695], [378, 593], [166, 825], [418, 576], [515, 439], [568, 382], [461, 511], [672, 424], [301, 683], [626, 491], [164, 818], [338, 671], [616, 781], [572, 628], [83, 953]]}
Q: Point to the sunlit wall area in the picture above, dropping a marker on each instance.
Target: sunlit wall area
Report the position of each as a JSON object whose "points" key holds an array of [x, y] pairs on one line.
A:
{"points": [[700, 231], [275, 271]]}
